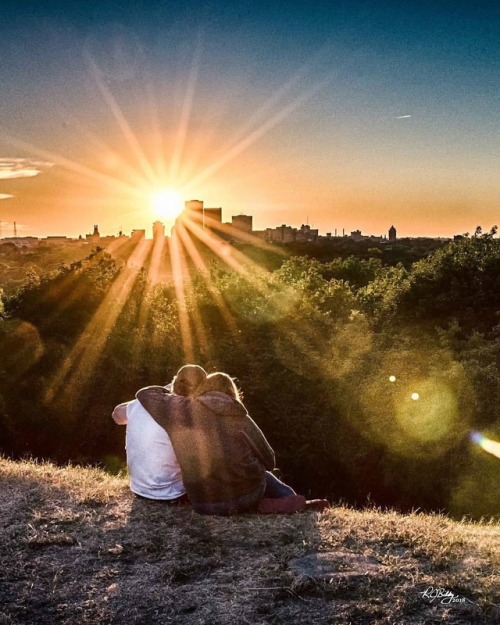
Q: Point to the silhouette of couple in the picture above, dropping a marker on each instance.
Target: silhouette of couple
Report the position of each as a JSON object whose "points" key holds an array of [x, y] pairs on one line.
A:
{"points": [[194, 442]]}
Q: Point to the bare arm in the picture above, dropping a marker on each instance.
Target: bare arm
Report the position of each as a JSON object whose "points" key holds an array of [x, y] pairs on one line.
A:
{"points": [[120, 414]]}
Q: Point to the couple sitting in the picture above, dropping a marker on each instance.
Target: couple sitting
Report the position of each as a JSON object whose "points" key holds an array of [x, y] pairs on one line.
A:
{"points": [[194, 441]]}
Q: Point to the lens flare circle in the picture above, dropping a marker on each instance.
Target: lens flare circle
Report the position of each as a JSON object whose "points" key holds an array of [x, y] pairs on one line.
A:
{"points": [[431, 415]]}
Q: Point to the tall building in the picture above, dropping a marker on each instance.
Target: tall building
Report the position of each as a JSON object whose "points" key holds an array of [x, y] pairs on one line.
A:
{"points": [[306, 233], [212, 217], [193, 210], [281, 234], [242, 222], [158, 230], [196, 212], [392, 233], [95, 237]]}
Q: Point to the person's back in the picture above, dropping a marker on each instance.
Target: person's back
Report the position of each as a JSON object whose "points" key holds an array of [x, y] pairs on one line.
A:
{"points": [[152, 465], [153, 468], [222, 452]]}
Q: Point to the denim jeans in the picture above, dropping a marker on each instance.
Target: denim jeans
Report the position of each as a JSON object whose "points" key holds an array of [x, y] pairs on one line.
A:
{"points": [[275, 489], [272, 488], [245, 503]]}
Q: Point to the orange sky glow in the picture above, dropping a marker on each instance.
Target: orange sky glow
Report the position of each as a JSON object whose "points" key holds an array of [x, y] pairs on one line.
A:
{"points": [[329, 117]]}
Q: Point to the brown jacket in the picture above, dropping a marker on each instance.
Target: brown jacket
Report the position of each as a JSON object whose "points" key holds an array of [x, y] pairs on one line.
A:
{"points": [[222, 453]]}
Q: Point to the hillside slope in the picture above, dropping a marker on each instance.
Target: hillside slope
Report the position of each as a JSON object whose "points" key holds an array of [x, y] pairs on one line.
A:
{"points": [[77, 547]]}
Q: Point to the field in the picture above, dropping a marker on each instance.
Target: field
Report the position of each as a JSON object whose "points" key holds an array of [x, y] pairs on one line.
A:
{"points": [[76, 547]]}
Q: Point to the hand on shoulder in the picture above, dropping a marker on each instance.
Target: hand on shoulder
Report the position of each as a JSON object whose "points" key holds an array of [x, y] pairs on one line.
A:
{"points": [[119, 415]]}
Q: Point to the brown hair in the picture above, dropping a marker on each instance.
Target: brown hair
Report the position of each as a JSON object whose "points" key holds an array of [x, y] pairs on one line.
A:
{"points": [[189, 380], [222, 383]]}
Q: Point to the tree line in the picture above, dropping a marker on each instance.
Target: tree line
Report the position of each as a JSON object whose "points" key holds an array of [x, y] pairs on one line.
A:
{"points": [[366, 377]]}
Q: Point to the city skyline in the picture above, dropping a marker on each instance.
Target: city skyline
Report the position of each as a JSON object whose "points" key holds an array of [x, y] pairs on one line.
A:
{"points": [[11, 230], [341, 116], [210, 218]]}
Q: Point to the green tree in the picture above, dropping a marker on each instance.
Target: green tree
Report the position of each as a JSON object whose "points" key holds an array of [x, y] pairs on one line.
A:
{"points": [[459, 281]]}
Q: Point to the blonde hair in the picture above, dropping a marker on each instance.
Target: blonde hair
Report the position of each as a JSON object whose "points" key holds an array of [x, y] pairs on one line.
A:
{"points": [[222, 383], [188, 380]]}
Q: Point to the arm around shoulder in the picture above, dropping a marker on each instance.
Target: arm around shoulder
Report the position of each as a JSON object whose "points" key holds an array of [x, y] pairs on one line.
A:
{"points": [[160, 403], [152, 395]]}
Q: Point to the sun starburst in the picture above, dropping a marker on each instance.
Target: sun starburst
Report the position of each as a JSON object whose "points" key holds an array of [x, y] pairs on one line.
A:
{"points": [[167, 204]]}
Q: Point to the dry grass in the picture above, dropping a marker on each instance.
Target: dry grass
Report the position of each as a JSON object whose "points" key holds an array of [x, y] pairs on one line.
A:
{"points": [[76, 547]]}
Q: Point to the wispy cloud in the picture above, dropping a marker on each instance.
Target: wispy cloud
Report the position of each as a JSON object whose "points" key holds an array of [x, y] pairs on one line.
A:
{"points": [[21, 168]]}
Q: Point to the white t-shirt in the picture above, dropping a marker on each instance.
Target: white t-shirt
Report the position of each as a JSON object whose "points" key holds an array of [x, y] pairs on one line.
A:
{"points": [[152, 465]]}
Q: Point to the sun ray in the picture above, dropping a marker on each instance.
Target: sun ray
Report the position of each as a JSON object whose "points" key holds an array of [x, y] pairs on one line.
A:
{"points": [[255, 275], [179, 273], [259, 132], [195, 317], [232, 257], [240, 236], [182, 247], [108, 155], [187, 107], [204, 273], [111, 182], [153, 274], [157, 134], [76, 370], [122, 121], [277, 95]]}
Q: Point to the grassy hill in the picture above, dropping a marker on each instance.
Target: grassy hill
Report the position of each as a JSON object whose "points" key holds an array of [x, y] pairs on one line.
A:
{"points": [[77, 547]]}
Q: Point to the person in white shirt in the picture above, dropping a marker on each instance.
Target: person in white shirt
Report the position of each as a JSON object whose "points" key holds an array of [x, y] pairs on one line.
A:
{"points": [[154, 471]]}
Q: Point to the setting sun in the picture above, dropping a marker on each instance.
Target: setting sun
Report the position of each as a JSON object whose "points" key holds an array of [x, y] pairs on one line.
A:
{"points": [[167, 204]]}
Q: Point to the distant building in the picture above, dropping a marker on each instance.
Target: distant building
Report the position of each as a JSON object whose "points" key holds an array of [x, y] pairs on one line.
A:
{"points": [[193, 210], [137, 235], [281, 234], [158, 231], [21, 241], [358, 236], [306, 233], [95, 237], [193, 205], [242, 222], [104, 241], [54, 240], [212, 217], [392, 233]]}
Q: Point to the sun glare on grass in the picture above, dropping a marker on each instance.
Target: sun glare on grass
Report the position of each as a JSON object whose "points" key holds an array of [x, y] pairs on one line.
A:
{"points": [[167, 204]]}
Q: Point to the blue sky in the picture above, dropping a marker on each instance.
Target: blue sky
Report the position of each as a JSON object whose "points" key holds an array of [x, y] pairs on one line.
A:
{"points": [[353, 115]]}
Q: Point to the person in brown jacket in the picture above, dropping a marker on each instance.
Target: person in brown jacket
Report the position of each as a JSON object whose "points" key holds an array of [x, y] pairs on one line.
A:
{"points": [[225, 459]]}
